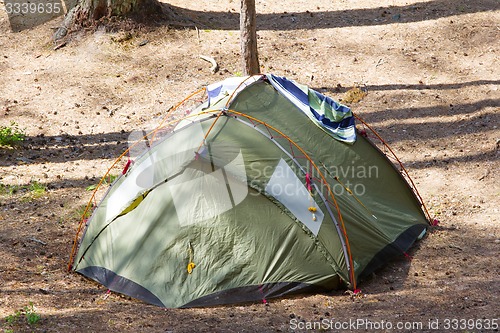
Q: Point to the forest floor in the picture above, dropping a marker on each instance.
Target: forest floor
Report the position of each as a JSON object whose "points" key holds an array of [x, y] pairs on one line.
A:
{"points": [[431, 70]]}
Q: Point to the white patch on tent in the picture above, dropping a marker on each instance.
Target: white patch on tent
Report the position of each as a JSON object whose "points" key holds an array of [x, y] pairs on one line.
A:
{"points": [[287, 188], [197, 200], [153, 168], [217, 91], [203, 198], [128, 191], [237, 178]]}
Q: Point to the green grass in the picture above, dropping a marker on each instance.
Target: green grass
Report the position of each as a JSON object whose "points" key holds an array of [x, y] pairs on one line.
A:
{"points": [[13, 318], [37, 189], [32, 317], [80, 211], [10, 135], [108, 180], [33, 190], [8, 189], [76, 214], [27, 313]]}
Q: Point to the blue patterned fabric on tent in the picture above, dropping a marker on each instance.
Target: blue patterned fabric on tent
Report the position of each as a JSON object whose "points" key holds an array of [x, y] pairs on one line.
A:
{"points": [[335, 118]]}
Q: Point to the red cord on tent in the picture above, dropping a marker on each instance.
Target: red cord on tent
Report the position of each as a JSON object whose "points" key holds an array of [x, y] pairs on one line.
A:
{"points": [[125, 169], [291, 149], [409, 257], [106, 294], [269, 131], [308, 182], [261, 289]]}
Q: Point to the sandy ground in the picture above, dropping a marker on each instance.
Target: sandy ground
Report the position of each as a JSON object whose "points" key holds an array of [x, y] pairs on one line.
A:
{"points": [[431, 70]]}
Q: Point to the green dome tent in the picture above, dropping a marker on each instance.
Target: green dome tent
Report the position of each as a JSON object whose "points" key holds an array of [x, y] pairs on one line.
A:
{"points": [[252, 188]]}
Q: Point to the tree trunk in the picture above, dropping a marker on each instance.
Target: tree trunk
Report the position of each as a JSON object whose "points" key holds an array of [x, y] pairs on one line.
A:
{"points": [[86, 12], [96, 9], [248, 33]]}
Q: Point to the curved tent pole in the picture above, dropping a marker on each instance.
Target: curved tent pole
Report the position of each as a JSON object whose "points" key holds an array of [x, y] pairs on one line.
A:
{"points": [[175, 107], [305, 155], [198, 121], [253, 120], [295, 160], [117, 160], [236, 91], [220, 113], [93, 197]]}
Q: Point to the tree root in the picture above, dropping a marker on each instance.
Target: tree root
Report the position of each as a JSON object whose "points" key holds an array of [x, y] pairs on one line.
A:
{"points": [[215, 66]]}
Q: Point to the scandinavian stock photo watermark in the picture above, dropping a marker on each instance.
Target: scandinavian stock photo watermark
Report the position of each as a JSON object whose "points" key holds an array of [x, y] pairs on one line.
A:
{"points": [[346, 179], [224, 174]]}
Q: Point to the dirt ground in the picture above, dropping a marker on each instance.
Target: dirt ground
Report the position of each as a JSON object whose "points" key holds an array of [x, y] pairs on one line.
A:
{"points": [[431, 70]]}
